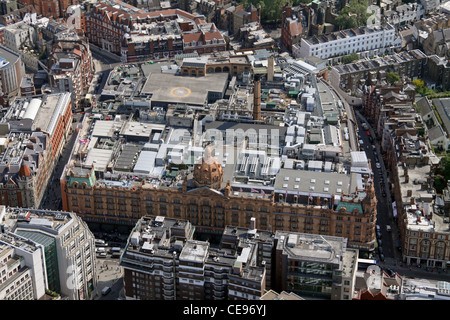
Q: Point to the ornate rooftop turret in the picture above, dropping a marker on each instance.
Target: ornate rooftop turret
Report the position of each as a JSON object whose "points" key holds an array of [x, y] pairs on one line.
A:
{"points": [[209, 172]]}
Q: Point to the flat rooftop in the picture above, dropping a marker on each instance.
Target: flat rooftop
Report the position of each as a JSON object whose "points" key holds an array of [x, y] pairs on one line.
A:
{"points": [[176, 89], [312, 247]]}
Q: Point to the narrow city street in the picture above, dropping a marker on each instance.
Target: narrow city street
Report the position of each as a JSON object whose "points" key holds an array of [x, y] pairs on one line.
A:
{"points": [[52, 197]]}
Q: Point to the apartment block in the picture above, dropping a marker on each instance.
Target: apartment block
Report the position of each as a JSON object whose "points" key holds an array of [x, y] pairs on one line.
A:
{"points": [[23, 277], [35, 130], [19, 35], [373, 41], [404, 14], [295, 23], [49, 8], [433, 22], [71, 66], [424, 233], [66, 245], [232, 16], [353, 76], [16, 15], [136, 35], [163, 262]]}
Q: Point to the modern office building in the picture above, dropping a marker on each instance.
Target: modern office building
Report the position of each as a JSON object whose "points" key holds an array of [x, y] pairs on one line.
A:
{"points": [[22, 262], [66, 246], [12, 70], [314, 265]]}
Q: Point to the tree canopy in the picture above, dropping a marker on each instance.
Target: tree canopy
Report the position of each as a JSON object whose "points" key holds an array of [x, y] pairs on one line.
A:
{"points": [[270, 9], [392, 77], [352, 16], [442, 174], [350, 58]]}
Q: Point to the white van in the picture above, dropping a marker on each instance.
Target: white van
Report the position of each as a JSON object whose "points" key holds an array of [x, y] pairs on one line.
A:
{"points": [[100, 250]]}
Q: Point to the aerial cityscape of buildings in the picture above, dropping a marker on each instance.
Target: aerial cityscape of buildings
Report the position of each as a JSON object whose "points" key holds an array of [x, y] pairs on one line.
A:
{"points": [[199, 150]]}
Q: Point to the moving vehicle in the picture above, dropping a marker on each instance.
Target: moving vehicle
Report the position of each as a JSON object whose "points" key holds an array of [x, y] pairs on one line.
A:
{"points": [[106, 290], [379, 234], [115, 255], [363, 264], [388, 228], [378, 165], [100, 250], [114, 249]]}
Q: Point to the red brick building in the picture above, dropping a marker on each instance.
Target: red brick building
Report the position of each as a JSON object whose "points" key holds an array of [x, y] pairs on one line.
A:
{"points": [[291, 27], [36, 139], [49, 8], [136, 35]]}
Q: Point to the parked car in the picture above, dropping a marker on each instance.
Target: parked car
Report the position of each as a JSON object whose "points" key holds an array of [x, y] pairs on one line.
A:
{"points": [[378, 165], [390, 272], [388, 228]]}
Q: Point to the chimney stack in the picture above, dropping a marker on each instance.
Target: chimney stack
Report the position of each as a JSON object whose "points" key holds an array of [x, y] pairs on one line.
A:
{"points": [[270, 69], [257, 98]]}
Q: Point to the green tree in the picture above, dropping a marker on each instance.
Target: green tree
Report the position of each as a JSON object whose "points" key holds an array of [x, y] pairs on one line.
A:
{"points": [[442, 174], [344, 21], [353, 15], [350, 58], [419, 83], [392, 77]]}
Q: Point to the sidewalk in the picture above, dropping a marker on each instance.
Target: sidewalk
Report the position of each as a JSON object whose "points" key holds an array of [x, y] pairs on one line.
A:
{"points": [[413, 271], [108, 273]]}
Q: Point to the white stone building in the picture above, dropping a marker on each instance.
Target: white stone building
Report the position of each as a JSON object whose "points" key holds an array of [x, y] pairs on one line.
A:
{"points": [[371, 41], [68, 249]]}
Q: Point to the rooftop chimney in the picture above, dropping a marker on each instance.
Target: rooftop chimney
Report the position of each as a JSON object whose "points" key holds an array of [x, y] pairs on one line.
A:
{"points": [[270, 69], [257, 99]]}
